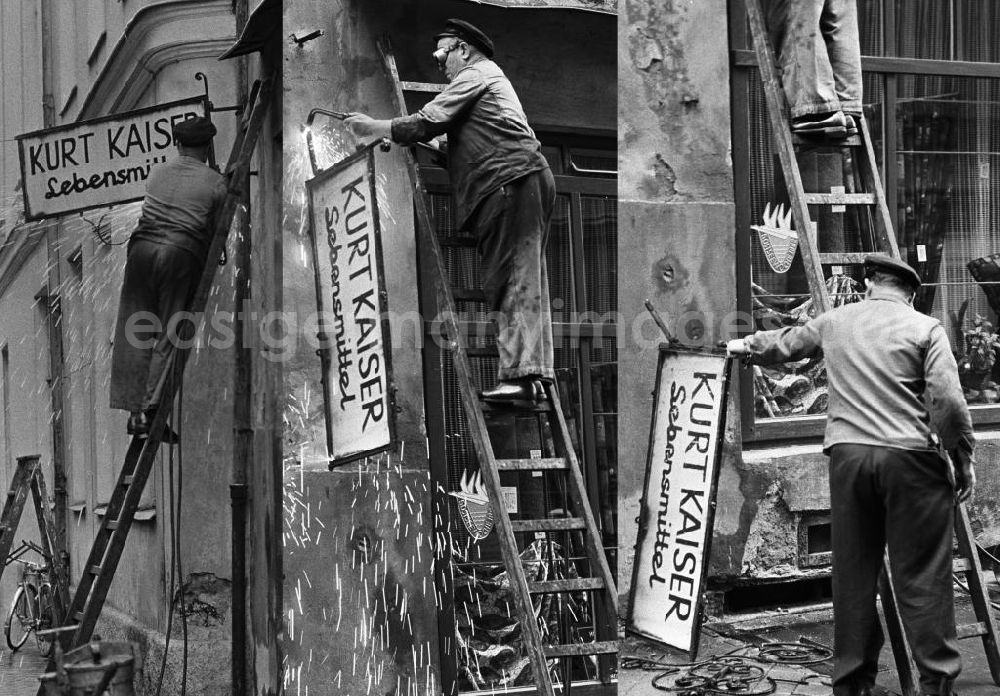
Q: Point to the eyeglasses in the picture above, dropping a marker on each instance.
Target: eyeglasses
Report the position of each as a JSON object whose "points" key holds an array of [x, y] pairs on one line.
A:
{"points": [[441, 54]]}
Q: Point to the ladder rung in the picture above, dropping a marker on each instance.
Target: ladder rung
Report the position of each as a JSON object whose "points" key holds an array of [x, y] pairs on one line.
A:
{"points": [[960, 564], [11, 494], [515, 406], [568, 585], [813, 143], [127, 480], [560, 524], [95, 570], [843, 259], [111, 525], [971, 630], [468, 295], [532, 464], [840, 198], [459, 240], [569, 650], [78, 616], [426, 87]]}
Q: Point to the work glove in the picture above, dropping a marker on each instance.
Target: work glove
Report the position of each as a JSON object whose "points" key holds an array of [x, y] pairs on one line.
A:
{"points": [[965, 474]]}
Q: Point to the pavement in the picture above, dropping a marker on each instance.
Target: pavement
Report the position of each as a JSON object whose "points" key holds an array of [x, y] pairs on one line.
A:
{"points": [[19, 671], [741, 636]]}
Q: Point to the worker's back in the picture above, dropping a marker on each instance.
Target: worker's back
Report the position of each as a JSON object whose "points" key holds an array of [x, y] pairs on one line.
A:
{"points": [[182, 199], [878, 353]]}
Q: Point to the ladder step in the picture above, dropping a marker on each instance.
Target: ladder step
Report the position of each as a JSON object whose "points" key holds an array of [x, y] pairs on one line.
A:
{"points": [[532, 464], [561, 524], [596, 648], [127, 479], [838, 259], [468, 295], [809, 143], [960, 564], [424, 87], [111, 525], [78, 616], [971, 630], [840, 198], [481, 351], [515, 406], [568, 585], [459, 240], [95, 570]]}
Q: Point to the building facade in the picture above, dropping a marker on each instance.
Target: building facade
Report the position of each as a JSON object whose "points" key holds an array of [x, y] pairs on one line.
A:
{"points": [[59, 287], [699, 169], [385, 588]]}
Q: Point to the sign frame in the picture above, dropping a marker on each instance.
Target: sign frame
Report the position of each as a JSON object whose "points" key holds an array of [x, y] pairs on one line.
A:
{"points": [[325, 351], [29, 216], [666, 352]]}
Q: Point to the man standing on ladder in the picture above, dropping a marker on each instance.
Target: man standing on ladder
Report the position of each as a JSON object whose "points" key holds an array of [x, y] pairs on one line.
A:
{"points": [[504, 193], [891, 376], [819, 52], [166, 256]]}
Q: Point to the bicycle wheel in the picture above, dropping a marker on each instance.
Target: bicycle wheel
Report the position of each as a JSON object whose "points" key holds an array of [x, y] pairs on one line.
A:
{"points": [[20, 617], [46, 620]]}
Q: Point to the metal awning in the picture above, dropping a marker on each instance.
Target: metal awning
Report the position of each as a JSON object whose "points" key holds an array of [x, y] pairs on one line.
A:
{"points": [[262, 23], [605, 6]]}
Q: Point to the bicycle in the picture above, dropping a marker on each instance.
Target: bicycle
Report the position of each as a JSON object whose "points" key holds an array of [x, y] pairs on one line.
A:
{"points": [[32, 608]]}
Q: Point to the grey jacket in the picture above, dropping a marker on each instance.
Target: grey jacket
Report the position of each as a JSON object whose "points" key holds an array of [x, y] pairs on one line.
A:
{"points": [[892, 376]]}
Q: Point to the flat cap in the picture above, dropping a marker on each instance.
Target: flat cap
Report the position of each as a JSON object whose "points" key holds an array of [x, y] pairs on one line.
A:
{"points": [[887, 264], [468, 33], [194, 131]]}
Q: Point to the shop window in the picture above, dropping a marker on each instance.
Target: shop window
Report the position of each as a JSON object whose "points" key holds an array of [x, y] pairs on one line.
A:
{"points": [[932, 100]]}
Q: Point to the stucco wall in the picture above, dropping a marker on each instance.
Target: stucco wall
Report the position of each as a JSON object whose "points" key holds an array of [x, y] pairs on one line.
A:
{"points": [[566, 81], [676, 215]]}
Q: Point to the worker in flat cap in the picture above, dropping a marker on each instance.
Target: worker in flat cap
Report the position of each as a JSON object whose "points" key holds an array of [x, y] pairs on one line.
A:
{"points": [[896, 410], [504, 194], [165, 258]]}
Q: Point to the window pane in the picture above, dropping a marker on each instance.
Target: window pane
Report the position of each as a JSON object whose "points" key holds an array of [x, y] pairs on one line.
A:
{"points": [[949, 210], [600, 250]]}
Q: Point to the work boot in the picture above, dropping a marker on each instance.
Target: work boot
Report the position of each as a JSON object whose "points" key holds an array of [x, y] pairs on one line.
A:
{"points": [[523, 389], [833, 125], [140, 421]]}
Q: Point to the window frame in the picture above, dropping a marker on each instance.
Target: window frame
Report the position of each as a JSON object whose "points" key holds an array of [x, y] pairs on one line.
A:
{"points": [[743, 62]]}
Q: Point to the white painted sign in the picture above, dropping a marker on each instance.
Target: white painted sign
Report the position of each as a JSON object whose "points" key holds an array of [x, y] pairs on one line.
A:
{"points": [[352, 302], [678, 503], [100, 162]]}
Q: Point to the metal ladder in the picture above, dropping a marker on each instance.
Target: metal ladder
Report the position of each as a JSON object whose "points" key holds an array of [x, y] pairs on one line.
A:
{"points": [[884, 237], [601, 584], [105, 554], [28, 477]]}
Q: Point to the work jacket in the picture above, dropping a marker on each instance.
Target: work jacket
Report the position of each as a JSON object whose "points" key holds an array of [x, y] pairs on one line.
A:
{"points": [[892, 377]]}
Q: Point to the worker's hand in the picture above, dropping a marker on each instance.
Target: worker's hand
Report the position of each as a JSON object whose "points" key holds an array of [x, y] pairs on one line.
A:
{"points": [[360, 125], [965, 474], [736, 348]]}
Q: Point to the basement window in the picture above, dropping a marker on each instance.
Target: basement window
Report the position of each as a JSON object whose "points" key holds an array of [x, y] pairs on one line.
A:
{"points": [[815, 543]]}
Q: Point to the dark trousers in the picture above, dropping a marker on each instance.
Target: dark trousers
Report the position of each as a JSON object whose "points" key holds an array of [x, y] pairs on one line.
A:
{"points": [[512, 228], [881, 496], [159, 282]]}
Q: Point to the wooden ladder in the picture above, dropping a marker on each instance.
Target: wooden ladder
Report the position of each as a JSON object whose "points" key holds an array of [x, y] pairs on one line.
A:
{"points": [[600, 585], [884, 238], [105, 554], [28, 478]]}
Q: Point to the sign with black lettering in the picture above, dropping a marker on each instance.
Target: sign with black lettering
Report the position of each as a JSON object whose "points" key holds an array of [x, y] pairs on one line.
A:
{"points": [[100, 162], [350, 291], [678, 499]]}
